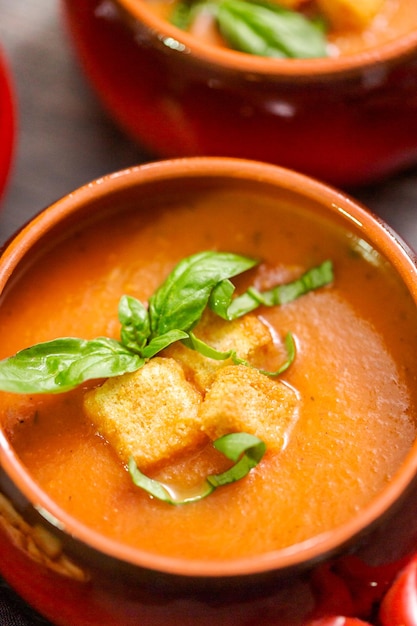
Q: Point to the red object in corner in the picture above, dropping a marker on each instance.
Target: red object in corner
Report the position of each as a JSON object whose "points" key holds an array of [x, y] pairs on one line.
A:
{"points": [[399, 605], [7, 122]]}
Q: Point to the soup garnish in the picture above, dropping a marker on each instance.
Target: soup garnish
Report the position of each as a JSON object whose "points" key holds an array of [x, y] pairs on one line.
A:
{"points": [[198, 282], [264, 29], [244, 449], [287, 29]]}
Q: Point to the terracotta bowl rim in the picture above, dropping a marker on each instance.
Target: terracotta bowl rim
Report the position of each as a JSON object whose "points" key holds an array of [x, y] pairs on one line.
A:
{"points": [[335, 201], [241, 63]]}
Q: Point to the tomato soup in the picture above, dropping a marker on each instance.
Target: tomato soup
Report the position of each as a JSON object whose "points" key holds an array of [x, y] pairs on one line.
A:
{"points": [[354, 375]]}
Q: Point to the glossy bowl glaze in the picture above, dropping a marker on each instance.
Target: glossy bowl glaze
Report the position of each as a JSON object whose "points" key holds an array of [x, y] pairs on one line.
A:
{"points": [[7, 122], [76, 576], [347, 120]]}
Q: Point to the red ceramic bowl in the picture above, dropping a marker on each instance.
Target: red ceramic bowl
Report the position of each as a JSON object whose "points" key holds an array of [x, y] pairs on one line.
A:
{"points": [[7, 122], [347, 120], [76, 576]]}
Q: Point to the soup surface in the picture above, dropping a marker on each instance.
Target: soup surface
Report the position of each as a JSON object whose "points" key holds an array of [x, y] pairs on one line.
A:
{"points": [[354, 376], [393, 19]]}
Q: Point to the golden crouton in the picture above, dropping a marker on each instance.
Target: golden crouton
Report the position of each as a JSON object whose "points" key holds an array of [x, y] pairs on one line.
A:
{"points": [[247, 336], [242, 399], [151, 414], [350, 14]]}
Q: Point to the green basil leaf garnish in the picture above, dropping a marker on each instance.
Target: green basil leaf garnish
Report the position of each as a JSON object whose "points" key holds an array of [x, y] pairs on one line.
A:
{"points": [[260, 28], [196, 282], [221, 298], [290, 347], [62, 364], [244, 449], [203, 348], [182, 15], [194, 343], [134, 318], [180, 302], [270, 30], [312, 279], [163, 341]]}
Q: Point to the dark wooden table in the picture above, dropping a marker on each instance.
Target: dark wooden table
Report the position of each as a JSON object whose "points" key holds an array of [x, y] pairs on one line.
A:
{"points": [[66, 140]]}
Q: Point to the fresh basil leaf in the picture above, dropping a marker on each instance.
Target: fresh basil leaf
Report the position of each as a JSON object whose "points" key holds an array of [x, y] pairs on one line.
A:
{"points": [[244, 449], [62, 364], [163, 341], [162, 492], [194, 343], [270, 30], [314, 278], [245, 303], [221, 297], [180, 301], [291, 350], [203, 348], [182, 15], [134, 319]]}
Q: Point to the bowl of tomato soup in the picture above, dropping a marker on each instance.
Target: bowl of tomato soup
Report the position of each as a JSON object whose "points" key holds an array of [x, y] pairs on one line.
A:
{"points": [[208, 401], [326, 88]]}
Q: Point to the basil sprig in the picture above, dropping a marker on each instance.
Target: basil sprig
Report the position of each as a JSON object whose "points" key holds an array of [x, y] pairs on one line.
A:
{"points": [[198, 281], [180, 302], [229, 308], [260, 28], [244, 449], [203, 348], [62, 364]]}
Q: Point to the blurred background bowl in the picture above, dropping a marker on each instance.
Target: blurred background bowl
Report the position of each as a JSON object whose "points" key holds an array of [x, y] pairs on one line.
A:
{"points": [[348, 120]]}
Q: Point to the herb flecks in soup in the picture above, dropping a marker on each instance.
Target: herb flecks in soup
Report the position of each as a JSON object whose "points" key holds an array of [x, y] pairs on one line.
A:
{"points": [[351, 387], [291, 28]]}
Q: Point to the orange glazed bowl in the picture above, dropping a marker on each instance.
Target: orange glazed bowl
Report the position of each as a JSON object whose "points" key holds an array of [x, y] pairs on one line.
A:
{"points": [[324, 519], [349, 119]]}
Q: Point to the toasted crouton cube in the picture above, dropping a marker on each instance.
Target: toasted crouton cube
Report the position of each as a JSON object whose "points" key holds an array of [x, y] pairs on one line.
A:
{"points": [[151, 414], [247, 336], [242, 399], [350, 14]]}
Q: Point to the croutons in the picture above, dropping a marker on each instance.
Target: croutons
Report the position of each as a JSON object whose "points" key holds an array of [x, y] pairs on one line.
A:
{"points": [[151, 414], [242, 399], [247, 336], [350, 14], [174, 404]]}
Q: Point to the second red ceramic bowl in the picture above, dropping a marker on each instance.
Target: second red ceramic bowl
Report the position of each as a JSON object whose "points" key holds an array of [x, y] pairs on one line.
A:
{"points": [[348, 120]]}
